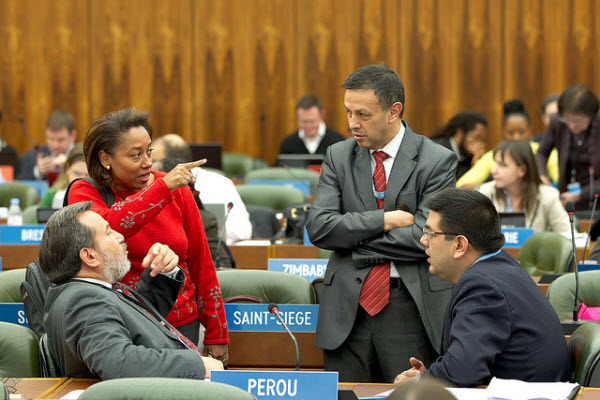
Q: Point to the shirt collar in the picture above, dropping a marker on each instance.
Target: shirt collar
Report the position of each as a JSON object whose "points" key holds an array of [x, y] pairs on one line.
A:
{"points": [[320, 132], [93, 280], [391, 149]]}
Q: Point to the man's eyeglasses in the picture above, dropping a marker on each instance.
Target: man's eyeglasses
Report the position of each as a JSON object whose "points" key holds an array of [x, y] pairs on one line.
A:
{"points": [[432, 234]]}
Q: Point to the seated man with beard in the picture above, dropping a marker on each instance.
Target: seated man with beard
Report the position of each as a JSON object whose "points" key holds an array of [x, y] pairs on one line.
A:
{"points": [[97, 328]]}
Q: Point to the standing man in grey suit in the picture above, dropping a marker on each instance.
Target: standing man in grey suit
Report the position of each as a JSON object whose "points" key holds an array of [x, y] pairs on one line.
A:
{"points": [[379, 303], [97, 328]]}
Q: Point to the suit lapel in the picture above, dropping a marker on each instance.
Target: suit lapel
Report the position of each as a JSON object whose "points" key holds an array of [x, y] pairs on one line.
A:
{"points": [[361, 170], [404, 164]]}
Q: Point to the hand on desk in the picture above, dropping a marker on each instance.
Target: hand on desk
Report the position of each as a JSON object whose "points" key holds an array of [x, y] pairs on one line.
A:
{"points": [[160, 258], [211, 364], [218, 351], [417, 369]]}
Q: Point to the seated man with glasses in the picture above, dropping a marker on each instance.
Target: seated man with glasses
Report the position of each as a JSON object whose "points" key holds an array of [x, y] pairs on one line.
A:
{"points": [[498, 323]]}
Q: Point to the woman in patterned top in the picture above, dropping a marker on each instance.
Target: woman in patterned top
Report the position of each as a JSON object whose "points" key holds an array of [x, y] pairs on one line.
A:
{"points": [[151, 206]]}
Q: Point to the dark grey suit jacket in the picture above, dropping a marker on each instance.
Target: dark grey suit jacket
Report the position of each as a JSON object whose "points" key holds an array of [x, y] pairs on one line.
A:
{"points": [[499, 323], [28, 162], [96, 332], [292, 144], [344, 218]]}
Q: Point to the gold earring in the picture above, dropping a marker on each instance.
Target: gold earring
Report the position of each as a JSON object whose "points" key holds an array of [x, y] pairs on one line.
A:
{"points": [[108, 167]]}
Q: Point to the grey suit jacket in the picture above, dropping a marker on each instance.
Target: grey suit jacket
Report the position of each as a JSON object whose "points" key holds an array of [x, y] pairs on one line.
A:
{"points": [[96, 332], [344, 218]]}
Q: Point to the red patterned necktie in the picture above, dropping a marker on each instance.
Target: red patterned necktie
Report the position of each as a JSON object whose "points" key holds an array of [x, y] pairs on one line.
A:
{"points": [[375, 291], [124, 290]]}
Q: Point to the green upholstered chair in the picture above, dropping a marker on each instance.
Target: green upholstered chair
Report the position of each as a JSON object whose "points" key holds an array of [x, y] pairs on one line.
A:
{"points": [[561, 292], [30, 215], [584, 349], [237, 165], [48, 366], [18, 352], [545, 253], [275, 197], [10, 285], [162, 388], [4, 394], [26, 194], [279, 173], [268, 286]]}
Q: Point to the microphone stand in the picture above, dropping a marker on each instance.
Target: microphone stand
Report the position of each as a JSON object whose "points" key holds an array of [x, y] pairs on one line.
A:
{"points": [[273, 309], [570, 326], [587, 239]]}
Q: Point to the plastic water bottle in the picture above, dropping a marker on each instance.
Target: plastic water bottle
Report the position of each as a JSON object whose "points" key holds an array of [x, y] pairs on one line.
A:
{"points": [[15, 215]]}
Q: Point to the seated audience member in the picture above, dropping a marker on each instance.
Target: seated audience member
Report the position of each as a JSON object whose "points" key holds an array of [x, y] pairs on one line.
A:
{"points": [[548, 108], [60, 138], [575, 134], [498, 323], [517, 188], [97, 328], [465, 134], [74, 168], [213, 187], [312, 136], [209, 220], [515, 125]]}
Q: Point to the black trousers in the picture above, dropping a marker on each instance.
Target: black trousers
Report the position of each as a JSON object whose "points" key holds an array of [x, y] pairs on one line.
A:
{"points": [[379, 347], [191, 331]]}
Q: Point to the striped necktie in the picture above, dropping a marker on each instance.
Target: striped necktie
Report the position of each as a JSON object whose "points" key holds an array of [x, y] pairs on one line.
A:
{"points": [[375, 291]]}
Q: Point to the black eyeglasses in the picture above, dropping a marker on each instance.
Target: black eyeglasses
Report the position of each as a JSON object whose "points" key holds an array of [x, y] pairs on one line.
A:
{"points": [[428, 233]]}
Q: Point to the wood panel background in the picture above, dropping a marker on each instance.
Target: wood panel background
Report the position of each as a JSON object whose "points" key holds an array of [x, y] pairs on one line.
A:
{"points": [[231, 71]]}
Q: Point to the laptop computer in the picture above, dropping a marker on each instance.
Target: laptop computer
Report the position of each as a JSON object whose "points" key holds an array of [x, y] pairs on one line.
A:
{"points": [[210, 151], [512, 219], [299, 160]]}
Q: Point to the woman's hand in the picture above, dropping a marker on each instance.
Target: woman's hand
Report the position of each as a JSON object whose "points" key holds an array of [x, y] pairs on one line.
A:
{"points": [[180, 175], [218, 351]]}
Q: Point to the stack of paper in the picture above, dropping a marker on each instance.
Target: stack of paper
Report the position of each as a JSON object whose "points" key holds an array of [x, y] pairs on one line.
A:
{"points": [[512, 389]]}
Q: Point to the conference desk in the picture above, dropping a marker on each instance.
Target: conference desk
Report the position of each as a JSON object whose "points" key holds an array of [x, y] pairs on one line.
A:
{"points": [[55, 388], [18, 255]]}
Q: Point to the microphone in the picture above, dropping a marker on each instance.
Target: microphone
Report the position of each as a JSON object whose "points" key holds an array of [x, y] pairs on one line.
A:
{"points": [[587, 240], [36, 146], [218, 258], [570, 326], [591, 171], [274, 309]]}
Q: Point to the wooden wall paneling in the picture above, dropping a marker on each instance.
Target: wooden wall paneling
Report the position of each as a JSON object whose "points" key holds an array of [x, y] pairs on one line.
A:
{"points": [[141, 56], [450, 54], [245, 70], [333, 41], [44, 65]]}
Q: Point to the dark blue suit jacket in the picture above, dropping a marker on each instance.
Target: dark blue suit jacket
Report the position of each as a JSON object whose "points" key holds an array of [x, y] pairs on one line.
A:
{"points": [[498, 323]]}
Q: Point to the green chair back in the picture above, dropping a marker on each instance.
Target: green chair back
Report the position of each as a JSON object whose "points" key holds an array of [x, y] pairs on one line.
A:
{"points": [[545, 253], [162, 388], [237, 165], [273, 196], [561, 292], [18, 352], [4, 395], [30, 215], [279, 173], [26, 194], [10, 285], [584, 349], [268, 286]]}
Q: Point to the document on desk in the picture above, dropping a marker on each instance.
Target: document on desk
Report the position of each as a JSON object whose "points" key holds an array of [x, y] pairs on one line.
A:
{"points": [[512, 389]]}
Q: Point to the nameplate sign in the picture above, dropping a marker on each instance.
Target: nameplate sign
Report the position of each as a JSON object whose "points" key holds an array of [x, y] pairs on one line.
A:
{"points": [[296, 385], [515, 237], [588, 267], [13, 313], [303, 186], [256, 317], [309, 268], [24, 234]]}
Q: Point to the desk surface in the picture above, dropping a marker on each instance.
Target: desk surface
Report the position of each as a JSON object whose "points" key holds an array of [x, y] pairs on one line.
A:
{"points": [[55, 388]]}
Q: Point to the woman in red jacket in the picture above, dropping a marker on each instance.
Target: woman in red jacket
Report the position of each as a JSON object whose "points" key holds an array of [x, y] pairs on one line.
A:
{"points": [[152, 206]]}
